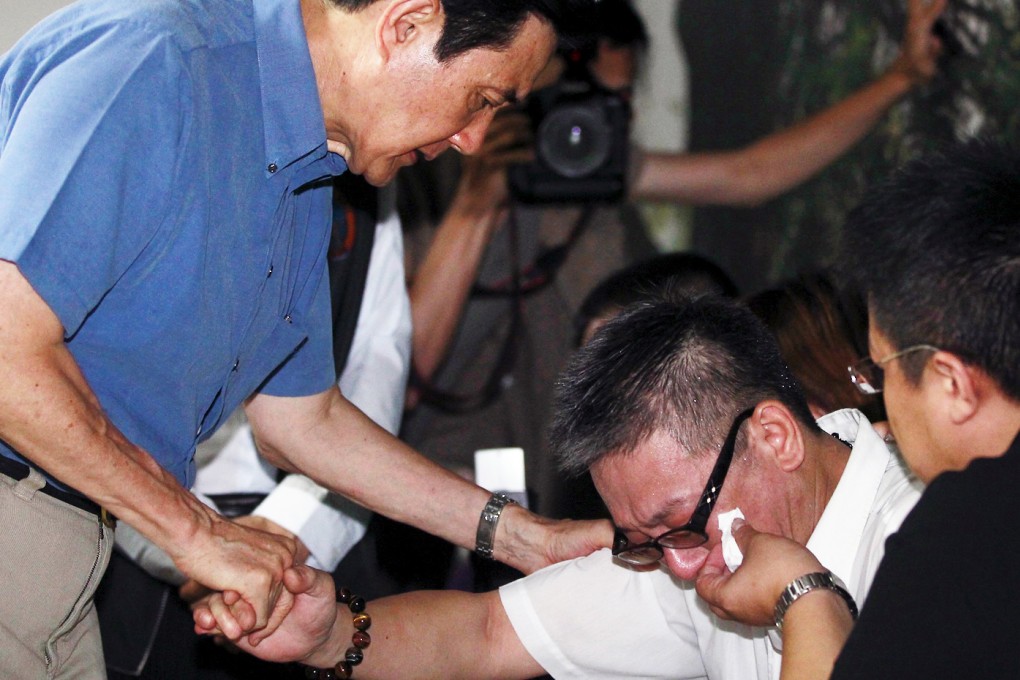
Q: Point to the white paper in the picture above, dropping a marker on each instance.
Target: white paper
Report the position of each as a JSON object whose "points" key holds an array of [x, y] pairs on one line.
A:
{"points": [[730, 552], [502, 470]]}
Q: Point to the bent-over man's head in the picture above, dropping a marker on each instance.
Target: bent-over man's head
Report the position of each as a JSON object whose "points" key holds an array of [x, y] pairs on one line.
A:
{"points": [[403, 79], [661, 398]]}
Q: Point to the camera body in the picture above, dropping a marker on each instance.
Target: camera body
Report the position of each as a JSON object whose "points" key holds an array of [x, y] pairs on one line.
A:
{"points": [[582, 138]]}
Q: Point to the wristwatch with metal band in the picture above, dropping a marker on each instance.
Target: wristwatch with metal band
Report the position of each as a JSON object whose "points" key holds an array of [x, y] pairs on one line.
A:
{"points": [[486, 536], [803, 585]]}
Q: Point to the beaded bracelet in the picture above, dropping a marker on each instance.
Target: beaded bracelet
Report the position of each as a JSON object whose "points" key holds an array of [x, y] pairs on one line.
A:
{"points": [[359, 640]]}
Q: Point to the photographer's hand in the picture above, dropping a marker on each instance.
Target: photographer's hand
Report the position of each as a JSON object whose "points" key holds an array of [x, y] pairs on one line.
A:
{"points": [[921, 47], [482, 191]]}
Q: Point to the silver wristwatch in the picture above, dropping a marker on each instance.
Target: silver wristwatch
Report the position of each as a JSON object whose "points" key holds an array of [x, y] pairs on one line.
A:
{"points": [[485, 538], [805, 584]]}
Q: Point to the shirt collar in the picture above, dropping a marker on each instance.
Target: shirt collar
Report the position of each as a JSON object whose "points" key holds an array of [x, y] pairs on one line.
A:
{"points": [[291, 110], [838, 533]]}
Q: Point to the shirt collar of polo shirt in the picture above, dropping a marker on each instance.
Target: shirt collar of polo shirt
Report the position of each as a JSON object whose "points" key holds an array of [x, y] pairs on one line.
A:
{"points": [[837, 535], [291, 110]]}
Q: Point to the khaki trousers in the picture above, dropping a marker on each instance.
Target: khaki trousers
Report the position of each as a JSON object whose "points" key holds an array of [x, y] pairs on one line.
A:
{"points": [[51, 560]]}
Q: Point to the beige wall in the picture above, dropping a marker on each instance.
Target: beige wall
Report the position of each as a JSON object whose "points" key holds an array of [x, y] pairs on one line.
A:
{"points": [[17, 16], [661, 94]]}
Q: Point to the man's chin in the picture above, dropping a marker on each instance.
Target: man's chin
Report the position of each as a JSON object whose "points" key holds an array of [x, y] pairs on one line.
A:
{"points": [[383, 173], [379, 177]]}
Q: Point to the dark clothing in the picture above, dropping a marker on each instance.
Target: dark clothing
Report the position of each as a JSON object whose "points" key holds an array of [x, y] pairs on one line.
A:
{"points": [[945, 600], [543, 338]]}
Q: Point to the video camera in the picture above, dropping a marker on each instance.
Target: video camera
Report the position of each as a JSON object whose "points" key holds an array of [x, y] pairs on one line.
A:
{"points": [[582, 135]]}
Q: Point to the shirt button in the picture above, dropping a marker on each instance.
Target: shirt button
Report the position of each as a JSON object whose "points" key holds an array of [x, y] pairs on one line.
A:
{"points": [[237, 362], [287, 318], [271, 168], [270, 272]]}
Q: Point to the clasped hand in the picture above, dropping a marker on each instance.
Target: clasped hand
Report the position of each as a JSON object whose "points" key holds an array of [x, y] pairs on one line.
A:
{"points": [[246, 560], [300, 636], [750, 593]]}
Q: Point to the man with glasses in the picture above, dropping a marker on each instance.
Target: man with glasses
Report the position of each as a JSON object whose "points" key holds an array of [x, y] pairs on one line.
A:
{"points": [[682, 410], [937, 249]]}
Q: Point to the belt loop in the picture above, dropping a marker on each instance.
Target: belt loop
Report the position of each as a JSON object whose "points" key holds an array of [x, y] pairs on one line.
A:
{"points": [[26, 488], [107, 518]]}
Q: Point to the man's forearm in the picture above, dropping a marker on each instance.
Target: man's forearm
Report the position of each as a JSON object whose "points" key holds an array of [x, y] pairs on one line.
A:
{"points": [[774, 164], [50, 415], [439, 634], [442, 283], [814, 631], [332, 442], [783, 160], [344, 450]]}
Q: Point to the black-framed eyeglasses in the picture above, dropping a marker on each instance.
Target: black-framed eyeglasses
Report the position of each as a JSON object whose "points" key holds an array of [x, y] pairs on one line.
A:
{"points": [[869, 375], [692, 534]]}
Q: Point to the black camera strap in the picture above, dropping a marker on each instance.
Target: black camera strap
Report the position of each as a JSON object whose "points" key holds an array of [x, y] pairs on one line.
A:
{"points": [[515, 287], [543, 270]]}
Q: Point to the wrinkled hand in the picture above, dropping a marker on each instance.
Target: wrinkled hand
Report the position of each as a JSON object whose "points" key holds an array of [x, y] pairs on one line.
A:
{"points": [[248, 564], [750, 593], [483, 183], [920, 49], [528, 542], [302, 634], [192, 591]]}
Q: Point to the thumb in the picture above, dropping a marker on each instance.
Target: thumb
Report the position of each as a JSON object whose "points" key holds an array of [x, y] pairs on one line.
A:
{"points": [[743, 533], [710, 581], [300, 578]]}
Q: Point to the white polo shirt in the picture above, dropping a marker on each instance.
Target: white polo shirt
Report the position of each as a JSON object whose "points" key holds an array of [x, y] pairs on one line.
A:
{"points": [[593, 618]]}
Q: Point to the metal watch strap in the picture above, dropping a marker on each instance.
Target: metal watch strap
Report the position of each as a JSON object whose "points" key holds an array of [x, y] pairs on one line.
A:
{"points": [[486, 536], [803, 585]]}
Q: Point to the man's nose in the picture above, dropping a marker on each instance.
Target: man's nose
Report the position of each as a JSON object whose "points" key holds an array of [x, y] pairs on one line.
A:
{"points": [[685, 563], [469, 139]]}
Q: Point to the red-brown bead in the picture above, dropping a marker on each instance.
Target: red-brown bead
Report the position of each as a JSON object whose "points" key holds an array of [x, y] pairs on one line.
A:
{"points": [[361, 639]]}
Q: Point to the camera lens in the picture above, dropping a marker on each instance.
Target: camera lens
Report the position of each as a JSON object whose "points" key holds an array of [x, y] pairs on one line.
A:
{"points": [[574, 140]]}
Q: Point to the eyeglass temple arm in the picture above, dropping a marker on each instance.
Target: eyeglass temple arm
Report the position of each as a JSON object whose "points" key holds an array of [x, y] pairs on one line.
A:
{"points": [[722, 465]]}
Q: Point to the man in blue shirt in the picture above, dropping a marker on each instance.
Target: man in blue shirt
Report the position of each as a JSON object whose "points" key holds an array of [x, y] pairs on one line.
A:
{"points": [[165, 213]]}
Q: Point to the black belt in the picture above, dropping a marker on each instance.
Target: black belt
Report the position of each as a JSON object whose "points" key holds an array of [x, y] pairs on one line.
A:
{"points": [[236, 504], [18, 471]]}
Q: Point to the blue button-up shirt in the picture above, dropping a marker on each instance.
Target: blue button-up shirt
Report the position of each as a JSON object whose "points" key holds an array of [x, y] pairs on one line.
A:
{"points": [[165, 190]]}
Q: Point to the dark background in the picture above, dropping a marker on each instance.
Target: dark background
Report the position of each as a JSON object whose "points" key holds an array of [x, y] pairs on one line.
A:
{"points": [[759, 66]]}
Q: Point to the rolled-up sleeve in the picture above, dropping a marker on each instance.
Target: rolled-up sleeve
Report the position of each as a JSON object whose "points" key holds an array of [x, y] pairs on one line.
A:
{"points": [[592, 618], [88, 161]]}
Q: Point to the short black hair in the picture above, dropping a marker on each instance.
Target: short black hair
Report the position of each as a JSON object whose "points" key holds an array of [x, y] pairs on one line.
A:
{"points": [[936, 249], [493, 24], [648, 279], [685, 367]]}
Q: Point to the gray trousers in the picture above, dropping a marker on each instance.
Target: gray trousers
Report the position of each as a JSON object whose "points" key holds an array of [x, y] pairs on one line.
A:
{"points": [[52, 559]]}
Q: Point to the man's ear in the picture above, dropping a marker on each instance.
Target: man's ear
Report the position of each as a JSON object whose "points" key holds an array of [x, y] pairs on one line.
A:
{"points": [[957, 384], [777, 434], [402, 21]]}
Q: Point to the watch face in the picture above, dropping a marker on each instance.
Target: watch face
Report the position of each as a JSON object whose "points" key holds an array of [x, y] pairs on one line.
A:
{"points": [[805, 584]]}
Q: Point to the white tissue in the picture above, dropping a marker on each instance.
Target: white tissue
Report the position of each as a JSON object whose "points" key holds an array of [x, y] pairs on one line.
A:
{"points": [[730, 552]]}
